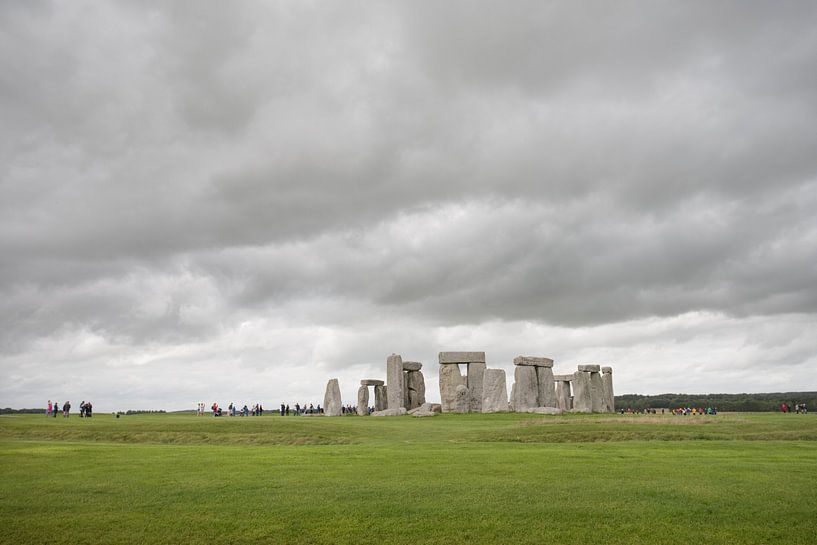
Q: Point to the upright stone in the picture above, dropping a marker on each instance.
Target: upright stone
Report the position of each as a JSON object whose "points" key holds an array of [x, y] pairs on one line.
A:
{"points": [[331, 400], [476, 373], [581, 392], [607, 389], [547, 387], [450, 378], [494, 391], [416, 386], [405, 390], [394, 380], [512, 402], [461, 399], [526, 386], [363, 401], [596, 393], [381, 402], [563, 395]]}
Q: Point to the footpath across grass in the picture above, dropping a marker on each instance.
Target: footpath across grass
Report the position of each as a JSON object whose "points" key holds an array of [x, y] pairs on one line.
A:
{"points": [[732, 478]]}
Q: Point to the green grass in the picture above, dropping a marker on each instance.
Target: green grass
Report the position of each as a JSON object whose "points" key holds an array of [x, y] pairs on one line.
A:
{"points": [[733, 478]]}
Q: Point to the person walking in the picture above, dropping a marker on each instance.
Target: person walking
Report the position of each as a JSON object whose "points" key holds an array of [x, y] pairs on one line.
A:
{"points": [[56, 409], [48, 410], [66, 409]]}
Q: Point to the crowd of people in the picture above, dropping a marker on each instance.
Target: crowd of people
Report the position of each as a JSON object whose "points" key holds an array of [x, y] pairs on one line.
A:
{"points": [[297, 409], [694, 411], [799, 408], [86, 409]]}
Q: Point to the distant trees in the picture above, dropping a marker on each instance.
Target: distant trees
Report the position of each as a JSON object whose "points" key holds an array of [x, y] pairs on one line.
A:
{"points": [[724, 402]]}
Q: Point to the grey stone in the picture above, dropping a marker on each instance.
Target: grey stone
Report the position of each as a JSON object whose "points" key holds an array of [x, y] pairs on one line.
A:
{"points": [[512, 399], [412, 366], [436, 407], [371, 382], [526, 388], [394, 380], [596, 393], [547, 387], [331, 400], [591, 368], [568, 378], [563, 395], [581, 392], [476, 372], [363, 401], [450, 378], [426, 409], [544, 410], [462, 399], [391, 412], [405, 391], [607, 390], [416, 387], [462, 357], [380, 398], [494, 391], [530, 360]]}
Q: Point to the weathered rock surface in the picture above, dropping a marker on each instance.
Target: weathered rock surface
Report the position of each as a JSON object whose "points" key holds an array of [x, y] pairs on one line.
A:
{"points": [[512, 399], [371, 382], [391, 412], [461, 357], [450, 378], [590, 368], [563, 377], [547, 387], [544, 410], [607, 389], [426, 409], [494, 391], [462, 399], [331, 400], [380, 398], [526, 388], [416, 386], [534, 361], [581, 392], [563, 394], [405, 391], [363, 401], [394, 380], [596, 393], [476, 372], [412, 366]]}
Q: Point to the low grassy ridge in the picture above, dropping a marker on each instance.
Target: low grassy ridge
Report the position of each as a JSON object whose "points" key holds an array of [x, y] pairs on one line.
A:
{"points": [[725, 479]]}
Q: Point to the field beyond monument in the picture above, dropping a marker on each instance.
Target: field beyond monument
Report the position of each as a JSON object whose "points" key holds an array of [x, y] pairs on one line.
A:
{"points": [[456, 478]]}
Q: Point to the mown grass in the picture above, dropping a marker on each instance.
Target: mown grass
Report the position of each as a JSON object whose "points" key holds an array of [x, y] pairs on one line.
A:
{"points": [[450, 479]]}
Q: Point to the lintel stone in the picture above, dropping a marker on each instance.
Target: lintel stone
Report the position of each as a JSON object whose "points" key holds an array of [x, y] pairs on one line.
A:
{"points": [[606, 369], [563, 378], [530, 360], [412, 366], [371, 382], [462, 357], [590, 368]]}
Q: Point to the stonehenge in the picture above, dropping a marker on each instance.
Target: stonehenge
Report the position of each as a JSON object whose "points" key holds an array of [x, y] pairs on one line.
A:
{"points": [[535, 388], [469, 397]]}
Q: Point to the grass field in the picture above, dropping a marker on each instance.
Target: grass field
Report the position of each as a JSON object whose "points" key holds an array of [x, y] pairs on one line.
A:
{"points": [[727, 479]]}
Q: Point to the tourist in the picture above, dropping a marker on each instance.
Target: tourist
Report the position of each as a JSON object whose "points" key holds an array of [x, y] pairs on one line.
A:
{"points": [[88, 409], [287, 413], [66, 408], [282, 409], [48, 410], [56, 409]]}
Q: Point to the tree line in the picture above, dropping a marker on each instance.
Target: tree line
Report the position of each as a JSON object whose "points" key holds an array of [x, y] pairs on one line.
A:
{"points": [[723, 402]]}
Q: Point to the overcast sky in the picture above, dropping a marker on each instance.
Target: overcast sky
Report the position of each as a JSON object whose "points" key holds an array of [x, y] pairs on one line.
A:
{"points": [[219, 201]]}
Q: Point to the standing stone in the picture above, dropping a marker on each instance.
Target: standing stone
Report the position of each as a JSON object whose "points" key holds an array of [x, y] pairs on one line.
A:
{"points": [[527, 389], [394, 380], [450, 378], [363, 401], [462, 400], [476, 372], [494, 391], [381, 402], [607, 389], [563, 395], [596, 393], [416, 387], [581, 392], [512, 399], [331, 400], [405, 391], [547, 387]]}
